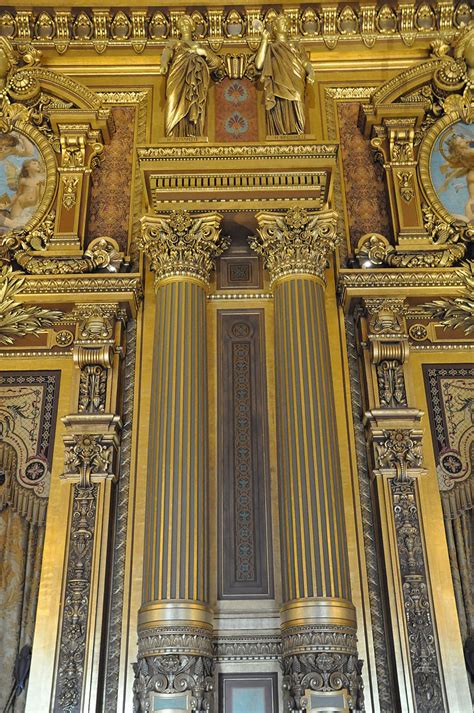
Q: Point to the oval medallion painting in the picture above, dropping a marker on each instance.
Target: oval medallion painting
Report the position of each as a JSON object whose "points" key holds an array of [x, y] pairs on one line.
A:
{"points": [[452, 170], [22, 180]]}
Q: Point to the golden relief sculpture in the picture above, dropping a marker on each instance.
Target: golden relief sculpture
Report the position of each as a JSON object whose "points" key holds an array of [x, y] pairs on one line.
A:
{"points": [[188, 65], [285, 70]]}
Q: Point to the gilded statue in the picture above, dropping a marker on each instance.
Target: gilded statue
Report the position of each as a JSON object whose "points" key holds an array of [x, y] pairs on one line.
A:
{"points": [[284, 71], [188, 65]]}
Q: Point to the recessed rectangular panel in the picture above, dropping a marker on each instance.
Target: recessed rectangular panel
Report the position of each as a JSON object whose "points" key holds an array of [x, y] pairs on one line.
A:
{"points": [[245, 569], [328, 702], [245, 693]]}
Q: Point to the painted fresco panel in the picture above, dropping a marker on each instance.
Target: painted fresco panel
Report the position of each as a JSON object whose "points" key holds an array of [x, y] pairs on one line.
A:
{"points": [[452, 170], [22, 180]]}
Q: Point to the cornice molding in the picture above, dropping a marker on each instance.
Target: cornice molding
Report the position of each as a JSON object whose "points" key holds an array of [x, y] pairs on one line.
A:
{"points": [[324, 24], [354, 284]]}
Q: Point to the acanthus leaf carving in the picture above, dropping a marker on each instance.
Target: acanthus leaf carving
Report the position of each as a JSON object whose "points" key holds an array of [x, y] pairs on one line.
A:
{"points": [[420, 627], [17, 319], [457, 312], [298, 241], [321, 659], [174, 674], [182, 243]]}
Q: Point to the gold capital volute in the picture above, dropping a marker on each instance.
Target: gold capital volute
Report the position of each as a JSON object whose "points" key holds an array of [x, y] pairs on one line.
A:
{"points": [[182, 244], [296, 242]]}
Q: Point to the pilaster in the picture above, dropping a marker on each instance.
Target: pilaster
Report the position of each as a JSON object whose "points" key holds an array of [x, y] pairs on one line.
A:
{"points": [[92, 443], [395, 439]]}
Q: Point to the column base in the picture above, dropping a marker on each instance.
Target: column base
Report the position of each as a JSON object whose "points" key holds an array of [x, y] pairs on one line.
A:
{"points": [[319, 654], [175, 663], [181, 682]]}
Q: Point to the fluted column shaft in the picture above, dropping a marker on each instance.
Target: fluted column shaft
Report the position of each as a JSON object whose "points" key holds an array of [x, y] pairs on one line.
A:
{"points": [[175, 622], [313, 536], [317, 615], [175, 558]]}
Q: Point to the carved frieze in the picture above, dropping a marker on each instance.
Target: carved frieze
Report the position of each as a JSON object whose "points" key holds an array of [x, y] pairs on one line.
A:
{"points": [[366, 23], [256, 647]]}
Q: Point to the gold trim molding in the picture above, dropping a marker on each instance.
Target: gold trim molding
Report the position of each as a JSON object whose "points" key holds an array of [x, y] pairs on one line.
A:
{"points": [[321, 24]]}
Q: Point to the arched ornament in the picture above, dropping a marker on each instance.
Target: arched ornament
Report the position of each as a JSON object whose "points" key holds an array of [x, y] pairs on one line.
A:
{"points": [[39, 134]]}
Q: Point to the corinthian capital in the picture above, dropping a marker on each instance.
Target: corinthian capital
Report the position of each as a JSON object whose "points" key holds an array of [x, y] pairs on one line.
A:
{"points": [[182, 244], [296, 242]]}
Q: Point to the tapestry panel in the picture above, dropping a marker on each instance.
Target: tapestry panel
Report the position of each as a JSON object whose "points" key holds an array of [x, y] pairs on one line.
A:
{"points": [[109, 211], [28, 412], [450, 394], [367, 203]]}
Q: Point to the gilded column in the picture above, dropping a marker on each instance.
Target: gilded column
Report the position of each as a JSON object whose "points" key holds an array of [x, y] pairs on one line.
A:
{"points": [[175, 622], [317, 617]]}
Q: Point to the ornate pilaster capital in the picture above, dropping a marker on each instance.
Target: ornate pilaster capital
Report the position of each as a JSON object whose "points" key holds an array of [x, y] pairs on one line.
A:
{"points": [[296, 242], [96, 322], [182, 244], [91, 447], [386, 329], [386, 316], [397, 441]]}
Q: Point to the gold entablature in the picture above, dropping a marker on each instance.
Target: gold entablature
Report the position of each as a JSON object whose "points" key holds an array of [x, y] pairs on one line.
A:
{"points": [[324, 24], [296, 172]]}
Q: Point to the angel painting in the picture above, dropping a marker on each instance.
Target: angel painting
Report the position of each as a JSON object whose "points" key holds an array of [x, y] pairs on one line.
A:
{"points": [[452, 168], [22, 181]]}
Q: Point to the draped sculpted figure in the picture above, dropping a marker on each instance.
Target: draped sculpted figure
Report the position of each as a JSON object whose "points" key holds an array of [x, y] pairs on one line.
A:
{"points": [[188, 66], [285, 69]]}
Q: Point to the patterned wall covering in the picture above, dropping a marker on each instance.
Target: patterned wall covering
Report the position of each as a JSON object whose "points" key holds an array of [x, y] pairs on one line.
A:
{"points": [[236, 111], [367, 202], [450, 393], [112, 183], [28, 410]]}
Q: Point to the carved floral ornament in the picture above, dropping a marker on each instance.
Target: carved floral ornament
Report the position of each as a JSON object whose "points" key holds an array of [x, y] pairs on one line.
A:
{"points": [[182, 244], [296, 242]]}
